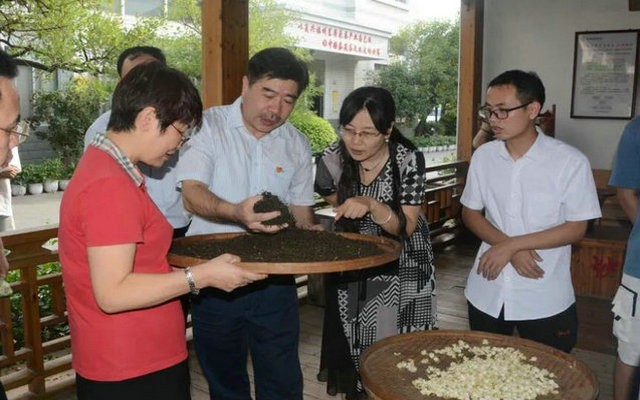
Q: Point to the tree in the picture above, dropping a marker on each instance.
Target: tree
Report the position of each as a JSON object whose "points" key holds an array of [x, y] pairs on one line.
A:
{"points": [[68, 113], [73, 35], [425, 75], [268, 21], [267, 28]]}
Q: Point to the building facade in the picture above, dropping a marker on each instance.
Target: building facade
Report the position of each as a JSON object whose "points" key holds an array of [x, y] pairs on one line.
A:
{"points": [[349, 40]]}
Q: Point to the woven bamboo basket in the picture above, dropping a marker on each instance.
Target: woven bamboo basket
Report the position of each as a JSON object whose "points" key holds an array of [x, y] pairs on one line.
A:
{"points": [[384, 381]]}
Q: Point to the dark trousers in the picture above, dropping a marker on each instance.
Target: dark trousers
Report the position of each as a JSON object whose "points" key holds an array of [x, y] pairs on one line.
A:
{"points": [[168, 384], [261, 319], [559, 331], [3, 395]]}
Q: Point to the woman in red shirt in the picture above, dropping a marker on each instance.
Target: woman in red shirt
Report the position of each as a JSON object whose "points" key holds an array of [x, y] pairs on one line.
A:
{"points": [[127, 327]]}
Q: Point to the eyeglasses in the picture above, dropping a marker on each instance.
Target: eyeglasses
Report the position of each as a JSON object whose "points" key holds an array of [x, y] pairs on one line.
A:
{"points": [[500, 113], [20, 132], [364, 134], [185, 135]]}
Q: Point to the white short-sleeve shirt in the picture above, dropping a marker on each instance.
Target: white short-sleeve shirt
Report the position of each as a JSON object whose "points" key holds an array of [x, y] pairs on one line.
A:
{"points": [[551, 184], [5, 186], [235, 165]]}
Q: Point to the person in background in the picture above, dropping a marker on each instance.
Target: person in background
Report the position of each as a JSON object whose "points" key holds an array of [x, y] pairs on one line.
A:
{"points": [[626, 306], [7, 173], [127, 329], [484, 134], [527, 197], [161, 182], [375, 180], [12, 133], [242, 150], [127, 60]]}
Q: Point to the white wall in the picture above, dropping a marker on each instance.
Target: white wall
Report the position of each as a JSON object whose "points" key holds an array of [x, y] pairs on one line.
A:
{"points": [[539, 36], [338, 82]]}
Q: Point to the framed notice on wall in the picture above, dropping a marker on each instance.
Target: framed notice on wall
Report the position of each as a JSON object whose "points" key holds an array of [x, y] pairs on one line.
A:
{"points": [[605, 74]]}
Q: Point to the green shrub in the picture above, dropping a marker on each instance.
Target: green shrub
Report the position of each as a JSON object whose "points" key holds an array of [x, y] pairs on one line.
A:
{"points": [[318, 130], [52, 169], [428, 128], [449, 122], [67, 171], [31, 173], [19, 180], [66, 114], [434, 140]]}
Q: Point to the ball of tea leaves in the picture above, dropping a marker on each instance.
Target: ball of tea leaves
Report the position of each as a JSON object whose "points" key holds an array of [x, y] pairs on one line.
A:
{"points": [[271, 202]]}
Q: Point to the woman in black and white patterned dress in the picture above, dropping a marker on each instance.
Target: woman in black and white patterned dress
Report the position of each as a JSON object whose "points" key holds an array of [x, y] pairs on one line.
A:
{"points": [[375, 179]]}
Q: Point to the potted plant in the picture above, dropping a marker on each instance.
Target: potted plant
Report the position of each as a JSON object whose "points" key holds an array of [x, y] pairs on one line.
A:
{"points": [[52, 172], [33, 177], [18, 185], [67, 172]]}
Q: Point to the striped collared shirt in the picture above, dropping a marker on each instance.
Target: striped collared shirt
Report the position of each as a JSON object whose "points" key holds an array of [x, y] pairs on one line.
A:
{"points": [[102, 142]]}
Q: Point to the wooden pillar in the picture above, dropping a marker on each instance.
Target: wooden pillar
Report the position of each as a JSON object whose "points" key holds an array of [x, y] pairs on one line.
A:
{"points": [[225, 49], [470, 74]]}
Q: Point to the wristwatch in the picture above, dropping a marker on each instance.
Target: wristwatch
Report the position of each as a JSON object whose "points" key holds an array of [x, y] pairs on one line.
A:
{"points": [[192, 284]]}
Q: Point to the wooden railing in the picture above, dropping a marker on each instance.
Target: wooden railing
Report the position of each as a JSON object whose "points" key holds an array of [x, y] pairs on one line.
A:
{"points": [[442, 207], [30, 369], [40, 369]]}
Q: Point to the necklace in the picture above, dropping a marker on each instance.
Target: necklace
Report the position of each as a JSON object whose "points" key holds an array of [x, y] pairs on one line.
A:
{"points": [[376, 165]]}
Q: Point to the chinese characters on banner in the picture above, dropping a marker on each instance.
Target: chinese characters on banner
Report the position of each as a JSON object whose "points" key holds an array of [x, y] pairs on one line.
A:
{"points": [[331, 38]]}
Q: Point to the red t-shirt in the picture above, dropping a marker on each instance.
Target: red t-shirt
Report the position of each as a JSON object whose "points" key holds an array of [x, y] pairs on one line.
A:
{"points": [[103, 206]]}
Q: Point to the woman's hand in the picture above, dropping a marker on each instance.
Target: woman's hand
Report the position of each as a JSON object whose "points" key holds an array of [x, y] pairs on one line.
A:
{"points": [[354, 207], [223, 273]]}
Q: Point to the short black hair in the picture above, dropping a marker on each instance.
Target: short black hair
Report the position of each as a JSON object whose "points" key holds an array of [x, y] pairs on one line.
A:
{"points": [[169, 91], [278, 63], [8, 66], [528, 85], [134, 52]]}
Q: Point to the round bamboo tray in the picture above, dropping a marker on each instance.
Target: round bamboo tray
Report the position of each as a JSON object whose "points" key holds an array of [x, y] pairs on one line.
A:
{"points": [[391, 251], [384, 381]]}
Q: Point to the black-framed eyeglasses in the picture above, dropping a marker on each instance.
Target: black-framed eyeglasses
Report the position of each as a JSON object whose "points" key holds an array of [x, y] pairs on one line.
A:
{"points": [[20, 132], [185, 135], [501, 113], [364, 134]]}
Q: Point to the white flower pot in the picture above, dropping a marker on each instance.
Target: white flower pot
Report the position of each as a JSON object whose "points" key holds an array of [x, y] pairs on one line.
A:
{"points": [[35, 188], [18, 190], [62, 184], [51, 185]]}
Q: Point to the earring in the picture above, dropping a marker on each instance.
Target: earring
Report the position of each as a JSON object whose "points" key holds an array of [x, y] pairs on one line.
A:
{"points": [[386, 140]]}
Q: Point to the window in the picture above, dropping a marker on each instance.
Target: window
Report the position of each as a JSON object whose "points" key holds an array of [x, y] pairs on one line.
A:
{"points": [[144, 8]]}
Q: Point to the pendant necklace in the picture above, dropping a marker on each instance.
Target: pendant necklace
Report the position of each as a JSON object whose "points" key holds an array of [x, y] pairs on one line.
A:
{"points": [[365, 169]]}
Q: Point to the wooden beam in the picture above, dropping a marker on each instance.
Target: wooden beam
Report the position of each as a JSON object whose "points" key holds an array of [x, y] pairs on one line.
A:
{"points": [[634, 5], [225, 49], [470, 74]]}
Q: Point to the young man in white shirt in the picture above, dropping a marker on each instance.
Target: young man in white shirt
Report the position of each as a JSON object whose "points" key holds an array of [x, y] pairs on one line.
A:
{"points": [[528, 197]]}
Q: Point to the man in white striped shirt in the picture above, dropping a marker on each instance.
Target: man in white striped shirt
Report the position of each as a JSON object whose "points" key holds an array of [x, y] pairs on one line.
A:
{"points": [[243, 150]]}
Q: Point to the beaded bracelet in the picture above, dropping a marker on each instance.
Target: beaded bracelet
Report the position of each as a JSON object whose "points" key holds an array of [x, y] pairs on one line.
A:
{"points": [[386, 220]]}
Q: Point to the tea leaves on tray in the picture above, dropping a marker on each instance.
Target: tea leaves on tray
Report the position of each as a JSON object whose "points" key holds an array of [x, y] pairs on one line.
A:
{"points": [[290, 245], [271, 202]]}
